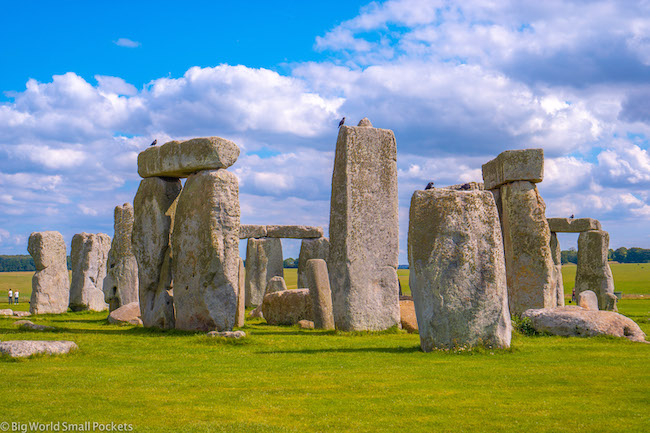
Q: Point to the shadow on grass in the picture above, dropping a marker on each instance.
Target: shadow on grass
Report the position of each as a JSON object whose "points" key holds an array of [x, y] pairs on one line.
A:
{"points": [[412, 349]]}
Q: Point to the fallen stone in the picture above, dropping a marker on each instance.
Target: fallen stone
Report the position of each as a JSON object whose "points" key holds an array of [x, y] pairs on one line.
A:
{"points": [[306, 324], [88, 256], [573, 321], [593, 271], [318, 283], [408, 319], [181, 159], [457, 270], [22, 313], [287, 307], [558, 284], [293, 232], [364, 230], [241, 295], [251, 231], [51, 282], [263, 262], [28, 324], [7, 312], [588, 300], [227, 334], [128, 314], [318, 248], [205, 243], [153, 210], [26, 348], [514, 165], [568, 225]]}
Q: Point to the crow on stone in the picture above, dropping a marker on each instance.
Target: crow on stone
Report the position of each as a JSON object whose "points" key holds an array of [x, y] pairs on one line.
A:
{"points": [[154, 142], [342, 122], [466, 187], [572, 216], [429, 186]]}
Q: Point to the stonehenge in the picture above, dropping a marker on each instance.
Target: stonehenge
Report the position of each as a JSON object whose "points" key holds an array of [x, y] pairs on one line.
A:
{"points": [[88, 255], [318, 248], [263, 261], [51, 282], [318, 283]]}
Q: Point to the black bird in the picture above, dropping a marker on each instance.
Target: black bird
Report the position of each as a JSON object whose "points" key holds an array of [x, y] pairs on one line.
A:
{"points": [[154, 142], [342, 122], [429, 186], [466, 186], [572, 216]]}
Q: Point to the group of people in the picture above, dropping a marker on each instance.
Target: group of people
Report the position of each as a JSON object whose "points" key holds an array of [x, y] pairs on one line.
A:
{"points": [[13, 297]]}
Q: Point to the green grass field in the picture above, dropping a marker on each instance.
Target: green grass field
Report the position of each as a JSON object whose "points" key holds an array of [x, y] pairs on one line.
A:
{"points": [[283, 379]]}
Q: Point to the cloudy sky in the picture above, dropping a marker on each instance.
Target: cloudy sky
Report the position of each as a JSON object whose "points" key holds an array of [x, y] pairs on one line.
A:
{"points": [[85, 87]]}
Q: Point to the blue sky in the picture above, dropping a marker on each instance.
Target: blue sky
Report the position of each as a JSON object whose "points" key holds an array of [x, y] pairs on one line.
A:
{"points": [[85, 86]]}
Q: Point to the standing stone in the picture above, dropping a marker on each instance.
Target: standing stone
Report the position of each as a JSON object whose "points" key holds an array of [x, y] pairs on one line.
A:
{"points": [[588, 299], [457, 268], [88, 255], [205, 244], [241, 295], [51, 282], [318, 283], [556, 253], [311, 249], [263, 261], [153, 207], [593, 272], [121, 282], [526, 236], [275, 284], [364, 230]]}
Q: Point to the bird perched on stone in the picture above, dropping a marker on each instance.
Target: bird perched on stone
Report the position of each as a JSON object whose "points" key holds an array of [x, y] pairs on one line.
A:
{"points": [[342, 122], [154, 142], [572, 216], [429, 186], [465, 186]]}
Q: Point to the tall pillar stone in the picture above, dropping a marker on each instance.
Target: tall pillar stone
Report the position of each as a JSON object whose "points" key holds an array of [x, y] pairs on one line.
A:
{"points": [[556, 253], [318, 248], [153, 207], [364, 229], [241, 295], [263, 262], [121, 282], [205, 243], [88, 256], [317, 280], [593, 271], [51, 282]]}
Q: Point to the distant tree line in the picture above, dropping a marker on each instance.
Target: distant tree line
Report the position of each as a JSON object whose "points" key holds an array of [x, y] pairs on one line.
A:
{"points": [[290, 263], [20, 263], [621, 255]]}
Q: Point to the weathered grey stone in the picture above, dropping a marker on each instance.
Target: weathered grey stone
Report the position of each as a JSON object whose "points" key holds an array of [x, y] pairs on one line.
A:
{"points": [[256, 312], [26, 348], [556, 254], [318, 248], [227, 334], [408, 319], [22, 313], [241, 295], [365, 122], [294, 232], [121, 283], [88, 256], [275, 284], [6, 312], [306, 324], [468, 186], [588, 300], [317, 279], [593, 272], [287, 307], [568, 225], [128, 314], [514, 165], [364, 230], [205, 242], [457, 270], [573, 321], [251, 231], [181, 159], [263, 261], [526, 237], [28, 324], [51, 282], [153, 207]]}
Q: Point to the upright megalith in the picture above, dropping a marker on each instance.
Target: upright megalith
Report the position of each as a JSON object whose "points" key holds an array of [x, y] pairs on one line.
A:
{"points": [[458, 278], [88, 256], [263, 261], [556, 253], [318, 282], [593, 272], [241, 295], [205, 244], [121, 282], [318, 248], [50, 283], [363, 229], [153, 207]]}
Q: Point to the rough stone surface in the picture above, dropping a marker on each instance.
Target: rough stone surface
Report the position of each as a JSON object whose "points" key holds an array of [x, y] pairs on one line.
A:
{"points": [[568, 225], [22, 313], [593, 272], [468, 186], [457, 270], [25, 348], [558, 284], [294, 232], [7, 312], [28, 324], [364, 230], [181, 159], [251, 231], [306, 324], [365, 123], [241, 295], [128, 314], [287, 307], [588, 300], [121, 283], [408, 319], [256, 312], [573, 321], [205, 243], [526, 238], [318, 248], [88, 256], [51, 281], [227, 334], [263, 261], [153, 207], [514, 165], [317, 279], [275, 284]]}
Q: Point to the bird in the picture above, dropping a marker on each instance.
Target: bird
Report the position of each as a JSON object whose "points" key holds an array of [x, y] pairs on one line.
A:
{"points": [[466, 186], [154, 142], [429, 186], [342, 122], [572, 216]]}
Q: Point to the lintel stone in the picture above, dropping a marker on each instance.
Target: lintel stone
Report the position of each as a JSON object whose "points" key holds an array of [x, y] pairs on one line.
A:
{"points": [[567, 225], [514, 165]]}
